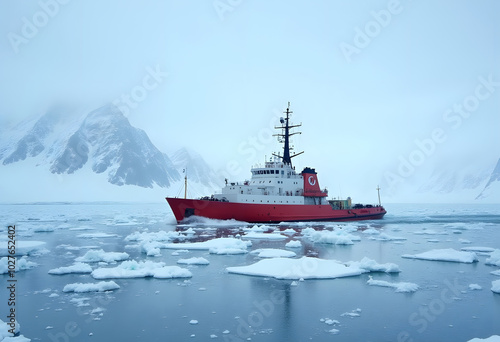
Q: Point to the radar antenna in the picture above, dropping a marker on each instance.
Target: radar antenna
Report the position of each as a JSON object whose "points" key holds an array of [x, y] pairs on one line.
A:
{"points": [[284, 137]]}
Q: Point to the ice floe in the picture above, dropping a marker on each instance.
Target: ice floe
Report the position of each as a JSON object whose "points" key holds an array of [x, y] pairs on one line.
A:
{"points": [[335, 237], [101, 255], [352, 314], [194, 261], [448, 254], [6, 336], [227, 251], [387, 237], [492, 338], [21, 265], [371, 231], [79, 267], [303, 268], [478, 249], [370, 265], [495, 286], [293, 244], [494, 258], [96, 235], [134, 269], [214, 244], [429, 232], [266, 236], [273, 253], [475, 287], [22, 247], [91, 287], [399, 287]]}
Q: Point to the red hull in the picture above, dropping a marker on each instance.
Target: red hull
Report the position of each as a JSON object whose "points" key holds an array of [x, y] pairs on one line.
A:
{"points": [[261, 213]]}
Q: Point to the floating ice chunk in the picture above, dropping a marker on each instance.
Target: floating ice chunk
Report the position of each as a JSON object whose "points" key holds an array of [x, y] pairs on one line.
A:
{"points": [[134, 269], [258, 229], [386, 237], [400, 287], [79, 267], [194, 261], [264, 236], [193, 321], [21, 265], [178, 252], [100, 255], [22, 247], [372, 266], [214, 243], [371, 231], [288, 231], [475, 287], [478, 249], [448, 254], [6, 336], [336, 237], [227, 251], [334, 331], [330, 321], [494, 258], [492, 338], [161, 236], [429, 232], [273, 253], [495, 286], [75, 248], [96, 235], [305, 267], [91, 287], [352, 314], [294, 244]]}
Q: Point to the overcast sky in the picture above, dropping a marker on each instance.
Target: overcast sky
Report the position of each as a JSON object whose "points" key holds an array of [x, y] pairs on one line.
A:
{"points": [[366, 78]]}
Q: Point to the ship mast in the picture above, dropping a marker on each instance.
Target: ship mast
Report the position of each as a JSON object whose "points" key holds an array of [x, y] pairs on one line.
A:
{"points": [[378, 191], [185, 183], [285, 135]]}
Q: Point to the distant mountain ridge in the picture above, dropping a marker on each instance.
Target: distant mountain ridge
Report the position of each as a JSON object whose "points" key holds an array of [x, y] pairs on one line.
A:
{"points": [[103, 140], [492, 187]]}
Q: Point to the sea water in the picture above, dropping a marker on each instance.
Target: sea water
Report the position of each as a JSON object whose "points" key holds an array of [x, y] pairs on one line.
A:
{"points": [[453, 301]]}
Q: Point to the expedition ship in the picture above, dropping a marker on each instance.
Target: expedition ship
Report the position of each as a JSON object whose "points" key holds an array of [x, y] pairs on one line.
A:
{"points": [[276, 193]]}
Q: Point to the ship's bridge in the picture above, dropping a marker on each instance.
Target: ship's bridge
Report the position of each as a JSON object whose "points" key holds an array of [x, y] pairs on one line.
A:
{"points": [[274, 169]]}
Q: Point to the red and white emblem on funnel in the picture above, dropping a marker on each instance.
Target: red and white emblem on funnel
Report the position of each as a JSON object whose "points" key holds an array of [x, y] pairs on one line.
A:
{"points": [[312, 180], [311, 184]]}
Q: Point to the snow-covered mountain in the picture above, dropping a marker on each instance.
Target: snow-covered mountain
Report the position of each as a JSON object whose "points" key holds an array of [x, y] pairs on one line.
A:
{"points": [[492, 188], [456, 181], [197, 170], [100, 144]]}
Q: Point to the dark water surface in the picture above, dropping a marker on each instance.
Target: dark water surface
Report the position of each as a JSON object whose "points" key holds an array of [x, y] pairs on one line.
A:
{"points": [[232, 307]]}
